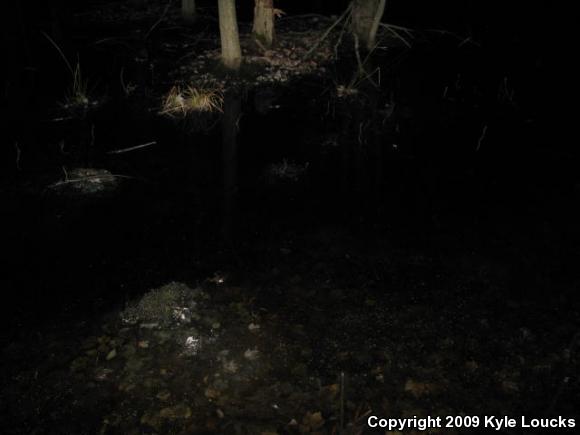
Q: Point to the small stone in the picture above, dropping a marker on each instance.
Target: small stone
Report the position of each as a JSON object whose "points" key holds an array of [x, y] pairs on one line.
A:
{"points": [[152, 420], [180, 411], [230, 366], [253, 327], [126, 386], [211, 393], [112, 354], [163, 395], [251, 354]]}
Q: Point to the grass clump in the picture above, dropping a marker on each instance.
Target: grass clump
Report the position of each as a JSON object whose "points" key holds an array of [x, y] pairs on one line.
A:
{"points": [[77, 96], [182, 102]]}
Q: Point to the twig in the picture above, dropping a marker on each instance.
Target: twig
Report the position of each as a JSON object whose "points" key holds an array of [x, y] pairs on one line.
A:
{"points": [[464, 40], [357, 54], [345, 14], [89, 177], [260, 45], [393, 29], [136, 147], [60, 52], [161, 18], [341, 35], [481, 137], [18, 154], [63, 118]]}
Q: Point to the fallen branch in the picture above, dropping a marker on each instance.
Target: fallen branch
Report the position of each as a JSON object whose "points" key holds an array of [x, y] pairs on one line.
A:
{"points": [[345, 14], [481, 138], [159, 20], [464, 40], [136, 147], [88, 177], [393, 29]]}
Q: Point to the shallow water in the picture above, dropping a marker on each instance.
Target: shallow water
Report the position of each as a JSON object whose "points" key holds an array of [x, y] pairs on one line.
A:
{"points": [[366, 234]]}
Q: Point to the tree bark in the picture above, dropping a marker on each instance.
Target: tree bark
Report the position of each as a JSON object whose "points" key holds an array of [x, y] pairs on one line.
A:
{"points": [[230, 38], [188, 10], [263, 28], [366, 17]]}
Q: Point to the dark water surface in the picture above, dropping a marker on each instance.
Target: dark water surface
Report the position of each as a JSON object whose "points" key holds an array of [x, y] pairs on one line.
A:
{"points": [[412, 165]]}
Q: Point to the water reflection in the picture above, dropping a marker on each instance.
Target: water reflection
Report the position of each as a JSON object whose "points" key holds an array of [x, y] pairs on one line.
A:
{"points": [[231, 117]]}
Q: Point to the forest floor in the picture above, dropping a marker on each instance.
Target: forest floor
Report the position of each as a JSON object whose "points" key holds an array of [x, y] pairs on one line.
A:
{"points": [[316, 338]]}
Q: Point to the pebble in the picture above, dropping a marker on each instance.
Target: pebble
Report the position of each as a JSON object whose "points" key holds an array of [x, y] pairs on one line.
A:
{"points": [[112, 354]]}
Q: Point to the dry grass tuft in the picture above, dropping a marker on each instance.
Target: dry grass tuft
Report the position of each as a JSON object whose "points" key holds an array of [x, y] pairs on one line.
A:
{"points": [[77, 97], [180, 102]]}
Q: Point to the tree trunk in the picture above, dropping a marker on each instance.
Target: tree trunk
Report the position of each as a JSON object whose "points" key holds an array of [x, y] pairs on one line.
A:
{"points": [[230, 38], [366, 17], [264, 22], [188, 10]]}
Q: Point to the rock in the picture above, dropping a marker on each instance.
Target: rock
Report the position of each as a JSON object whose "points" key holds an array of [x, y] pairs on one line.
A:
{"points": [[179, 411], [163, 395], [112, 354], [211, 393], [152, 419], [126, 386], [251, 354], [253, 327]]}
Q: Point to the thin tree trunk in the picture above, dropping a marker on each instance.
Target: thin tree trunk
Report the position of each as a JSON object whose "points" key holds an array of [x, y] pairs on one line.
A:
{"points": [[230, 38], [366, 17], [188, 10], [264, 22]]}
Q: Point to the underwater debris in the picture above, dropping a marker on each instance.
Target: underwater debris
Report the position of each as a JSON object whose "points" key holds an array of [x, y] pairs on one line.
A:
{"points": [[286, 171], [86, 181]]}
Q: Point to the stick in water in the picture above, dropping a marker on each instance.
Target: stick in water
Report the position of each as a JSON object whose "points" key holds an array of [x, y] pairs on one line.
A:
{"points": [[136, 147]]}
